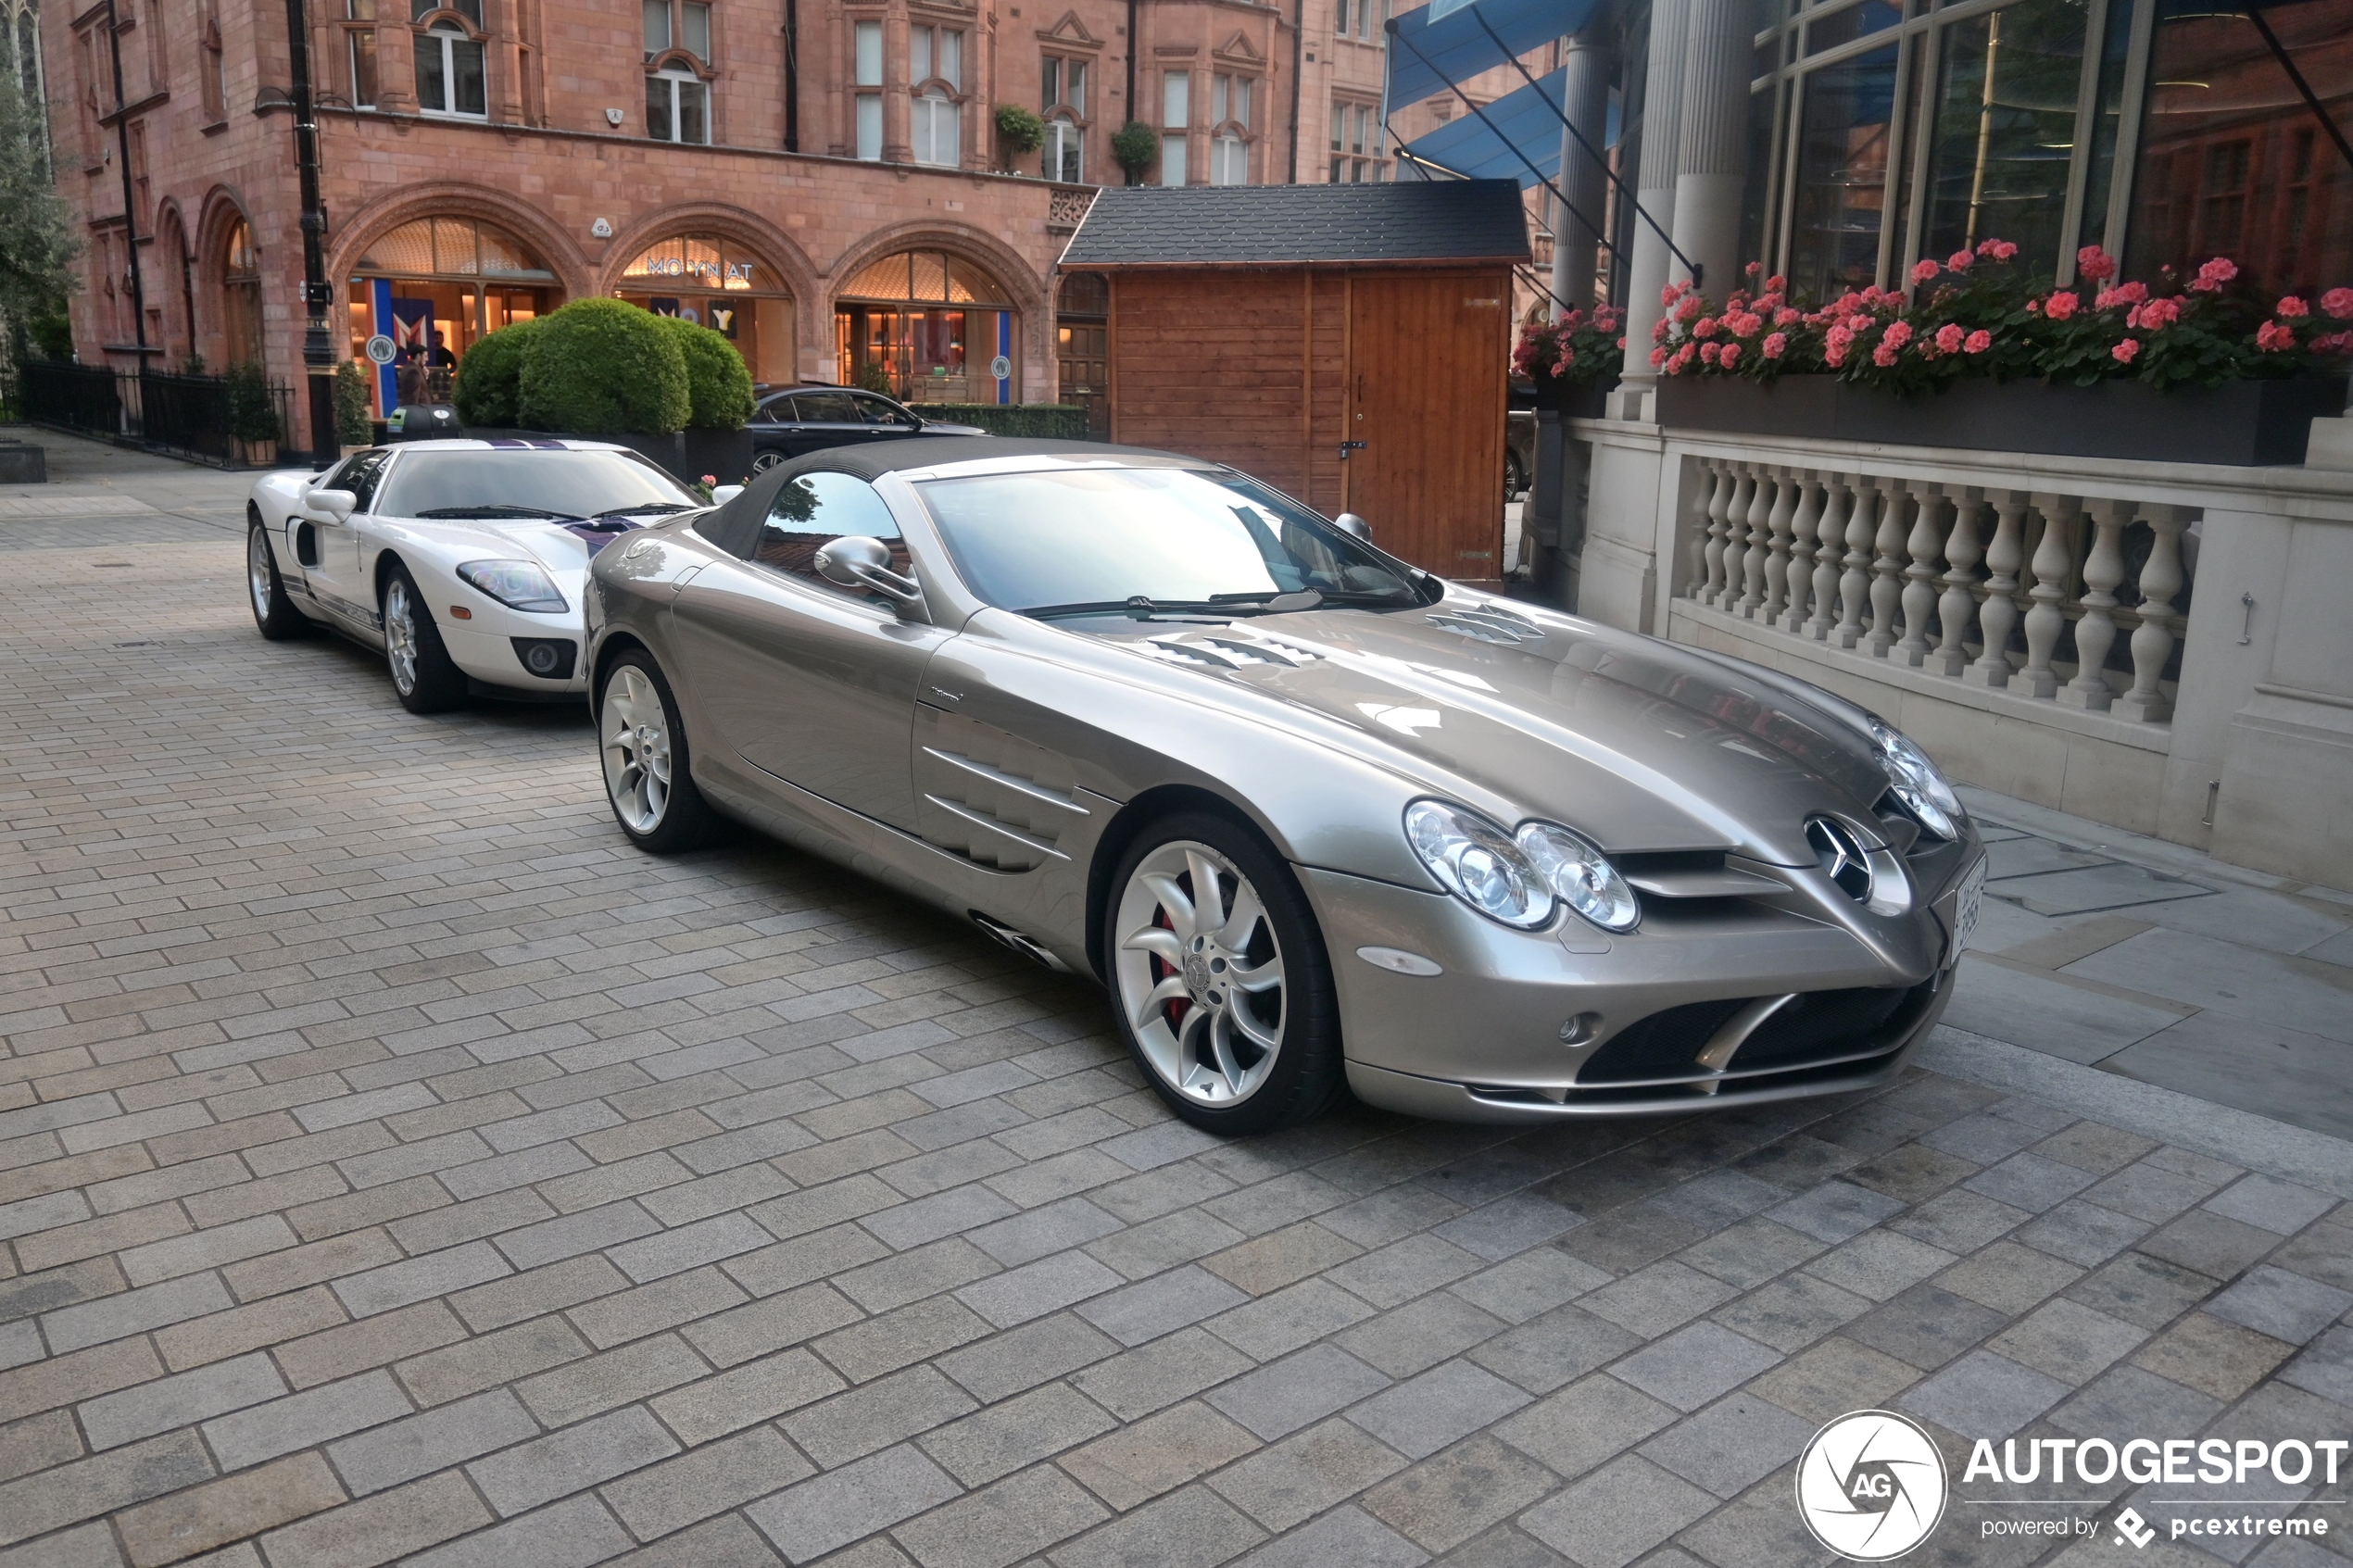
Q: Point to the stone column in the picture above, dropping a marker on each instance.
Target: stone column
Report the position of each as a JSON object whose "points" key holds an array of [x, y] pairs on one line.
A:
{"points": [[1654, 182], [396, 68], [1712, 148], [1585, 98]]}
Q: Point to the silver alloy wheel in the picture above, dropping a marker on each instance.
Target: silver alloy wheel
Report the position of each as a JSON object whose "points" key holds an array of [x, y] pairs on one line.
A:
{"points": [[1200, 973], [257, 570], [401, 635], [763, 461], [636, 749]]}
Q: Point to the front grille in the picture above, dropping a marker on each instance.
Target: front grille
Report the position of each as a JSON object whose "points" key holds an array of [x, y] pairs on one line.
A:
{"points": [[1818, 1026]]}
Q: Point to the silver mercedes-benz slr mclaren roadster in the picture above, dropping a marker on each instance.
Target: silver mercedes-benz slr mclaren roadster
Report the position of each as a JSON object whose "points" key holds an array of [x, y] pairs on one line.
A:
{"points": [[1320, 821]]}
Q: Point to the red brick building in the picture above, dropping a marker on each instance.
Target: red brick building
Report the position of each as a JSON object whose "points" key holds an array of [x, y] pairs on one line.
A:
{"points": [[818, 178]]}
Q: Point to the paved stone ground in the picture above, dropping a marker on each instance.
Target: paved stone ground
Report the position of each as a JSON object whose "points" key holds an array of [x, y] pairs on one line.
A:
{"points": [[394, 1166]]}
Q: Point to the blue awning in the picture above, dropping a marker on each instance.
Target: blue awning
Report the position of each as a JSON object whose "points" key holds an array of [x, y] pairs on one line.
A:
{"points": [[1528, 121], [1445, 43]]}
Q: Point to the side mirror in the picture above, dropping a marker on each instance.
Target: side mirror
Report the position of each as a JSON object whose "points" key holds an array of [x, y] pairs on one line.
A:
{"points": [[1349, 523], [724, 494], [336, 504], [856, 561]]}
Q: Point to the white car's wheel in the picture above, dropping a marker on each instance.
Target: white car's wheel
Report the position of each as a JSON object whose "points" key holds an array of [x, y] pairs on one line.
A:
{"points": [[1222, 990], [272, 611], [423, 675]]}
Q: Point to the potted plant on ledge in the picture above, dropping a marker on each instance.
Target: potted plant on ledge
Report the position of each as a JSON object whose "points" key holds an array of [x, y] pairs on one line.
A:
{"points": [[1573, 359], [1980, 354]]}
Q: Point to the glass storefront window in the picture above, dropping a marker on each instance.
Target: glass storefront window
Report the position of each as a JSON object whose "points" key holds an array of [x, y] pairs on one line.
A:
{"points": [[436, 286], [2002, 148], [2231, 161], [927, 327], [1845, 120], [717, 284]]}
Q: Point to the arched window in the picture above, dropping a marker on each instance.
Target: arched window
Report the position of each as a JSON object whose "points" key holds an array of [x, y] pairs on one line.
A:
{"points": [[450, 73], [717, 284], [677, 107], [240, 296], [935, 70], [1230, 115], [435, 286], [928, 328], [1065, 111]]}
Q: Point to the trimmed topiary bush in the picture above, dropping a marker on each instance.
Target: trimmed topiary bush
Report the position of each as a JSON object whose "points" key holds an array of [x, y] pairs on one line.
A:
{"points": [[601, 367], [488, 392], [718, 384]]}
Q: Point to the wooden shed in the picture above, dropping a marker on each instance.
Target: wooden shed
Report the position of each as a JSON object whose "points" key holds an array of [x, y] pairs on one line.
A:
{"points": [[1347, 344]]}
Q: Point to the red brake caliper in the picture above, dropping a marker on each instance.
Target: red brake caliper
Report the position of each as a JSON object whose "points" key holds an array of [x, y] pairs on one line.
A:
{"points": [[1161, 970]]}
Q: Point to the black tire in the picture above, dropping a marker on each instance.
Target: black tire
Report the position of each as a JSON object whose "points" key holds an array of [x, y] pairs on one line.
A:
{"points": [[424, 677], [1514, 476], [680, 819], [265, 590], [1304, 1076]]}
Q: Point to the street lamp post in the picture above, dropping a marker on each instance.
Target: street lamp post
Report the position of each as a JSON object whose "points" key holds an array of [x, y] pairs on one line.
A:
{"points": [[318, 349]]}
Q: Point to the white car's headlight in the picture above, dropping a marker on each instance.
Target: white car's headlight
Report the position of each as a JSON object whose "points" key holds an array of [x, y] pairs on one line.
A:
{"points": [[1478, 862], [1581, 875], [1915, 781], [517, 585]]}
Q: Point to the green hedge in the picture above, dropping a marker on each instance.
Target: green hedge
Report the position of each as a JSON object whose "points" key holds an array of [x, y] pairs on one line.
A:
{"points": [[1055, 422], [601, 366], [489, 389], [718, 382]]}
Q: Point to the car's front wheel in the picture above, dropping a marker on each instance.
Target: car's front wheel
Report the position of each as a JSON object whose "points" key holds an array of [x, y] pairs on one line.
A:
{"points": [[1219, 977], [643, 748], [272, 611], [424, 677], [762, 461]]}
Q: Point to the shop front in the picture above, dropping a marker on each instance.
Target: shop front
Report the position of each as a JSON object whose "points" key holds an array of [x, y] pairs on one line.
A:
{"points": [[434, 287], [716, 283], [928, 328]]}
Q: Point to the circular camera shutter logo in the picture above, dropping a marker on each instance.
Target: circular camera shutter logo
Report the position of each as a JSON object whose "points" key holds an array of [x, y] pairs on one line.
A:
{"points": [[1871, 1485]]}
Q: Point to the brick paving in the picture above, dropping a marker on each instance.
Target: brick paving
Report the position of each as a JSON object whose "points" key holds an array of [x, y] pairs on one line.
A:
{"points": [[395, 1166]]}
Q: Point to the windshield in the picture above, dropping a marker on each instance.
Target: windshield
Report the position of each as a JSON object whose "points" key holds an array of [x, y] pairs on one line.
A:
{"points": [[1097, 538], [510, 483]]}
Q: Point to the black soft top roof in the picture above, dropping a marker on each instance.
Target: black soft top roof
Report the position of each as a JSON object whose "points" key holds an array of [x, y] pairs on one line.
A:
{"points": [[739, 519]]}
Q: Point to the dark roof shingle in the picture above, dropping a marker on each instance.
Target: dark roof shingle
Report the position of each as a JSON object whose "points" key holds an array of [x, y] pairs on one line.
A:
{"points": [[1413, 221]]}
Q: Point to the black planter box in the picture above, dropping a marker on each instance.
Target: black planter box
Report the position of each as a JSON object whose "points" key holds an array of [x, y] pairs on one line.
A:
{"points": [[686, 456], [2248, 424], [1574, 402]]}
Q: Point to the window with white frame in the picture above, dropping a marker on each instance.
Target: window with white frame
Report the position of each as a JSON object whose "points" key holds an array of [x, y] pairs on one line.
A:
{"points": [[935, 70], [1230, 114], [868, 74], [359, 50], [450, 74], [1065, 86], [1356, 144], [1065, 154], [1360, 18], [1175, 117], [678, 24], [677, 107], [1064, 105]]}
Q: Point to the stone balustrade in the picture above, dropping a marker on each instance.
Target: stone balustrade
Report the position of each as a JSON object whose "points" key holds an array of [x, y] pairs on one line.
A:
{"points": [[2075, 600]]}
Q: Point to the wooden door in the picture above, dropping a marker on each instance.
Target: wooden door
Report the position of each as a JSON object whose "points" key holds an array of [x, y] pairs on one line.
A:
{"points": [[1425, 394]]}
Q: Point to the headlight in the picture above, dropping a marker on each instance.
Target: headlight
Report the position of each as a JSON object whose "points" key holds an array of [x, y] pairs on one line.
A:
{"points": [[517, 585], [1915, 781], [1581, 875], [1478, 863]]}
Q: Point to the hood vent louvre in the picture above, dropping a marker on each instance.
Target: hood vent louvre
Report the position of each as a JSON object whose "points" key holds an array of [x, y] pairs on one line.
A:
{"points": [[1488, 623]]}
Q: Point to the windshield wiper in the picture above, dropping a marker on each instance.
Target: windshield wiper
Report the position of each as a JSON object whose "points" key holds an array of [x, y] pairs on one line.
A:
{"points": [[495, 509], [651, 508], [1136, 609]]}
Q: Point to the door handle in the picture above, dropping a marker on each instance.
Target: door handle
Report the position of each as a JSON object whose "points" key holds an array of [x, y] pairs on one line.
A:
{"points": [[1348, 446]]}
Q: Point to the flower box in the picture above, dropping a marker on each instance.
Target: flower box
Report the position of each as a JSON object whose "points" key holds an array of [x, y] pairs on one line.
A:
{"points": [[1574, 402], [2246, 423]]}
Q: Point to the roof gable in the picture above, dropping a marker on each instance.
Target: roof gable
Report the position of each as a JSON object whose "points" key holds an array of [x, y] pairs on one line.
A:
{"points": [[1276, 225]]}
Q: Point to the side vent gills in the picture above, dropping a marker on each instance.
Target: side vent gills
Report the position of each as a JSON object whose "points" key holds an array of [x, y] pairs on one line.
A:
{"points": [[1027, 946]]}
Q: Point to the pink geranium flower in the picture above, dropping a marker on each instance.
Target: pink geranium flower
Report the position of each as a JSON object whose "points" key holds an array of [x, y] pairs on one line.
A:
{"points": [[1834, 355], [1960, 261], [1705, 327], [1998, 250], [1839, 337], [1898, 334], [2094, 263], [2290, 306], [1775, 345], [1948, 339], [2060, 305], [1978, 342], [1785, 317], [2338, 303], [2153, 315], [1776, 283], [1923, 270], [1730, 356], [2123, 352], [1659, 358], [1884, 355], [2273, 338], [1707, 352], [1690, 305]]}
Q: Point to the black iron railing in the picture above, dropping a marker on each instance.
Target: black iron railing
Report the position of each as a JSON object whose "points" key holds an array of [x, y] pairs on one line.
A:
{"points": [[186, 416]]}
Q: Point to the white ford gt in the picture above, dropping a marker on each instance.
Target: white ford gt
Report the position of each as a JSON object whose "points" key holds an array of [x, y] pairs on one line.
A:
{"points": [[461, 559]]}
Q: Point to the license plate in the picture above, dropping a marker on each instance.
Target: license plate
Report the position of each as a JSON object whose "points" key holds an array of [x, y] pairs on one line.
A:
{"points": [[1966, 905]]}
